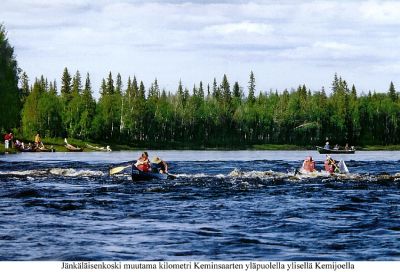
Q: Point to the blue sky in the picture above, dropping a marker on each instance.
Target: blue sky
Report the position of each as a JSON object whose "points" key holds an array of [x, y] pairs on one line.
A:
{"points": [[285, 43]]}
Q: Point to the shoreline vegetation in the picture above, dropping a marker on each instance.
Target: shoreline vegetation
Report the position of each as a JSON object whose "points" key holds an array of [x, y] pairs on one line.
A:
{"points": [[59, 146], [212, 115]]}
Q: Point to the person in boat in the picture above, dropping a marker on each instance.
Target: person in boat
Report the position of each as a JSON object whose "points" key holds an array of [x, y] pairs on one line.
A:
{"points": [[38, 141], [29, 147], [308, 165], [330, 165], [160, 165], [327, 146], [143, 163], [346, 147], [17, 144], [336, 147]]}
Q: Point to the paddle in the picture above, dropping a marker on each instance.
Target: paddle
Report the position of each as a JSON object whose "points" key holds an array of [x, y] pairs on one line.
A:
{"points": [[340, 168], [337, 169], [170, 176], [118, 169]]}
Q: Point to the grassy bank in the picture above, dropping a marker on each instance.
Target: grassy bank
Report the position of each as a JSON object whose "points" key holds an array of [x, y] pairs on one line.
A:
{"points": [[58, 145], [4, 151], [380, 148], [279, 147]]}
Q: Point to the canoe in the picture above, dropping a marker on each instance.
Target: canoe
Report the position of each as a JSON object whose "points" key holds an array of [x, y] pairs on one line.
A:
{"points": [[45, 149], [104, 149], [322, 150], [138, 175], [26, 150], [73, 148]]}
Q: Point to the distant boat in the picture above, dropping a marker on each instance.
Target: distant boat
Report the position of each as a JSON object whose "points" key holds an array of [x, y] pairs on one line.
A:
{"points": [[99, 148], [45, 149], [72, 148], [322, 150]]}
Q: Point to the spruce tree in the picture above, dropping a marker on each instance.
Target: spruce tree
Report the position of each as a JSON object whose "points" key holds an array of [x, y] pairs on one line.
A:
{"points": [[201, 90], [25, 89], [66, 86], [216, 92], [10, 97], [118, 86], [226, 90], [392, 92], [237, 93], [110, 85], [142, 91], [180, 93], [252, 88], [135, 87], [76, 84]]}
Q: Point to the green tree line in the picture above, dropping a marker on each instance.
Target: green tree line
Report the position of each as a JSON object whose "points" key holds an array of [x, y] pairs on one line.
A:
{"points": [[218, 114]]}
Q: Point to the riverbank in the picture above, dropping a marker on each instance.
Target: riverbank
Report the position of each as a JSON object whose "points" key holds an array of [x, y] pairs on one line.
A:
{"points": [[381, 148], [59, 146]]}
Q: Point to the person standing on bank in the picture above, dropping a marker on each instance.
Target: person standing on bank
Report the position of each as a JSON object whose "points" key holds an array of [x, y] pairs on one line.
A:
{"points": [[7, 140]]}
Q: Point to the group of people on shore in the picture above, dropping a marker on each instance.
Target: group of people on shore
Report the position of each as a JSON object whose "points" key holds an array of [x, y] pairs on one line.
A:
{"points": [[156, 165], [10, 143], [330, 165]]}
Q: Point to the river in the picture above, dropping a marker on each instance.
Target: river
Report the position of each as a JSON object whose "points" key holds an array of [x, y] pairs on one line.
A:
{"points": [[223, 205]]}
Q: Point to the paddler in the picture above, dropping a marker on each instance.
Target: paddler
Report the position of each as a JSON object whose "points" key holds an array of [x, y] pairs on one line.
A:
{"points": [[38, 141], [308, 165], [330, 165], [160, 165], [143, 163]]}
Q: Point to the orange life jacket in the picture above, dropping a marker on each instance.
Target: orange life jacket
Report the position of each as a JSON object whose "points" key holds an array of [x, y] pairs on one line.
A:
{"points": [[144, 167]]}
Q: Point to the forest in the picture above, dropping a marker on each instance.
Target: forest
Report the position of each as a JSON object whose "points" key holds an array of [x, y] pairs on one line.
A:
{"points": [[206, 115]]}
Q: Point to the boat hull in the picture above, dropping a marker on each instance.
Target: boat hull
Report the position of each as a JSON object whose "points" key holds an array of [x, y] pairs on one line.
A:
{"points": [[74, 149], [138, 175], [45, 150], [102, 149], [322, 150]]}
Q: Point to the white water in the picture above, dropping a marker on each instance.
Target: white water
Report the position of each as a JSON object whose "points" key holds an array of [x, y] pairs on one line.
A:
{"points": [[66, 172]]}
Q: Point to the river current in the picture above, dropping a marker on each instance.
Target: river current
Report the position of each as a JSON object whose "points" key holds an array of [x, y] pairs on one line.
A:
{"points": [[223, 205]]}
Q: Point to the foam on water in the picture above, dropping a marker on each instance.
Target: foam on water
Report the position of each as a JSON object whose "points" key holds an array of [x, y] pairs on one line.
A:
{"points": [[235, 173], [66, 172], [69, 172], [24, 173]]}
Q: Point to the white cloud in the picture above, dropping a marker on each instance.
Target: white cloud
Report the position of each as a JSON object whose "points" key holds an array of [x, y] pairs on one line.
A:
{"points": [[197, 40], [336, 46], [381, 12], [240, 28]]}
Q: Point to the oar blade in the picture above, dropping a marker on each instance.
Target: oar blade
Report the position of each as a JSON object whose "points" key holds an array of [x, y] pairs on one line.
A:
{"points": [[170, 176], [118, 169]]}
